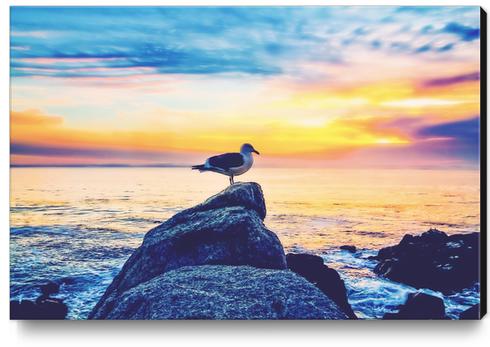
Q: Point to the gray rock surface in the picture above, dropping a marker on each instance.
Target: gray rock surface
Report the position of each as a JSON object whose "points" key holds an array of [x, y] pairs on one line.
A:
{"points": [[245, 194], [226, 229], [224, 292], [324, 278]]}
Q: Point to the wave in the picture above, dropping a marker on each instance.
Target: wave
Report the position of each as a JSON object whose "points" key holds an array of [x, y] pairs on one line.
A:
{"points": [[372, 296], [89, 257]]}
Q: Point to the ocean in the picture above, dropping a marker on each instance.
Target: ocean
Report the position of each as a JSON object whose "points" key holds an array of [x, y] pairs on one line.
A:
{"points": [[81, 224]]}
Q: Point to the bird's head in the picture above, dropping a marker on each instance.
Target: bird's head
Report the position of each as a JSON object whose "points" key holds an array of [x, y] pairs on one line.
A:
{"points": [[247, 148]]}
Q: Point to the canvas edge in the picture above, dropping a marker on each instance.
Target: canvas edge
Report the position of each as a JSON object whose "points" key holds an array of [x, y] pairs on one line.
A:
{"points": [[483, 163]]}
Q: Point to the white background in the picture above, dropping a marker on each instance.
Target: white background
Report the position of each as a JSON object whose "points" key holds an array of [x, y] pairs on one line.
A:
{"points": [[302, 334]]}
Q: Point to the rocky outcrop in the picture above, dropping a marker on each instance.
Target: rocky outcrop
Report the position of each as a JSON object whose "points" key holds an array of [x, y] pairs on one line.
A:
{"points": [[215, 260], [349, 248], [224, 292], [471, 313], [420, 306], [432, 260], [45, 307], [326, 279], [50, 308]]}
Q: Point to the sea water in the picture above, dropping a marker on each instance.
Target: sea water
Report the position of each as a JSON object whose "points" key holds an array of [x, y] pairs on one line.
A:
{"points": [[81, 224]]}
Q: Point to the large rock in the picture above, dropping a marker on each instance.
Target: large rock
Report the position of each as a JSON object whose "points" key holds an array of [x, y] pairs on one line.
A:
{"points": [[349, 248], [245, 194], [226, 229], [420, 306], [471, 313], [326, 279], [432, 260], [46, 308], [49, 288], [223, 292]]}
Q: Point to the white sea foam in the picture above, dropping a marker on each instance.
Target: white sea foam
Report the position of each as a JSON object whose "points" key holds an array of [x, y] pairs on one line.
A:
{"points": [[372, 296]]}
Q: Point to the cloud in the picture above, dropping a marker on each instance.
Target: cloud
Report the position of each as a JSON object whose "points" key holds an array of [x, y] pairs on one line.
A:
{"points": [[33, 118], [449, 145], [423, 48], [466, 33], [167, 40], [24, 153], [467, 129], [20, 148], [446, 81], [213, 40], [155, 60], [459, 138], [418, 9], [32, 34], [420, 102], [447, 47]]}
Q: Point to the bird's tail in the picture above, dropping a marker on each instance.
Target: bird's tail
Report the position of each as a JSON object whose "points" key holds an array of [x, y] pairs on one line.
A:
{"points": [[201, 168]]}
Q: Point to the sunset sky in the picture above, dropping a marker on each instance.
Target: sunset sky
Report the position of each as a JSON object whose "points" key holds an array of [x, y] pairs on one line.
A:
{"points": [[312, 86]]}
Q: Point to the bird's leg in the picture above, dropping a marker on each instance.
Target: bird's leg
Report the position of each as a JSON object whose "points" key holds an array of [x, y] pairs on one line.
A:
{"points": [[231, 180]]}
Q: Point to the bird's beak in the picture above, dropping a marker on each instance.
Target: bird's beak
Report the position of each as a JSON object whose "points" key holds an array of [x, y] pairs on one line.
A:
{"points": [[255, 151]]}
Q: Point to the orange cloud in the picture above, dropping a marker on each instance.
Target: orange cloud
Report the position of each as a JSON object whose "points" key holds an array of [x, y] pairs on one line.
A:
{"points": [[329, 140], [33, 118], [318, 122]]}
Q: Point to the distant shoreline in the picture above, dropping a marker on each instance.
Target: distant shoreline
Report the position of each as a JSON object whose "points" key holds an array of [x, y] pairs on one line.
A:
{"points": [[103, 166], [165, 165]]}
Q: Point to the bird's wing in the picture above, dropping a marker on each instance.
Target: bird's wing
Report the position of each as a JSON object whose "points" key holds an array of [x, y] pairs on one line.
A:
{"points": [[226, 161]]}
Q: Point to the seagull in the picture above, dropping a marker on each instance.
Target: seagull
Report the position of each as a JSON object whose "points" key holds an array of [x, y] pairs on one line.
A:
{"points": [[230, 164]]}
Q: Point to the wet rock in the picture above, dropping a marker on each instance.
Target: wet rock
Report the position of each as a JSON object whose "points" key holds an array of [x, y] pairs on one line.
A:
{"points": [[226, 229], [471, 314], [49, 288], [223, 292], [68, 280], [46, 308], [420, 306], [326, 279], [432, 260], [349, 248]]}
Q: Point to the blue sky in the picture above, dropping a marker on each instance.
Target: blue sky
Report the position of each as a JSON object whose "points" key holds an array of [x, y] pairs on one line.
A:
{"points": [[217, 40]]}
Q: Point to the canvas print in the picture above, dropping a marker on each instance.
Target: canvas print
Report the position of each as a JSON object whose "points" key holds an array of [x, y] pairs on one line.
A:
{"points": [[236, 163]]}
